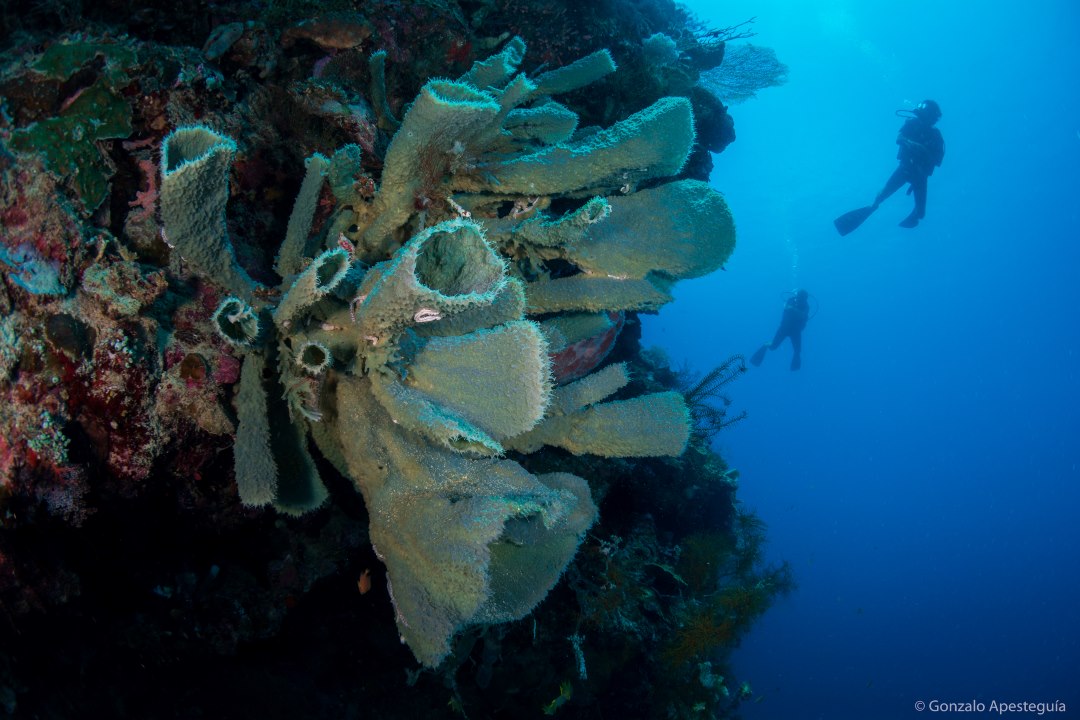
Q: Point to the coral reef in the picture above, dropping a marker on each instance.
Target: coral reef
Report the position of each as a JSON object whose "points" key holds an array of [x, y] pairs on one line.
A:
{"points": [[435, 359], [447, 326], [747, 68]]}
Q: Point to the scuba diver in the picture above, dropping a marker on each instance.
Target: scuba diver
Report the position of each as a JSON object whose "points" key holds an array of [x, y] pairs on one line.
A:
{"points": [[796, 314], [921, 150]]}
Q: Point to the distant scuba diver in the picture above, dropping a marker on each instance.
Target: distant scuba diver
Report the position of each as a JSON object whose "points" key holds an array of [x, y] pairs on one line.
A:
{"points": [[792, 322], [921, 150]]}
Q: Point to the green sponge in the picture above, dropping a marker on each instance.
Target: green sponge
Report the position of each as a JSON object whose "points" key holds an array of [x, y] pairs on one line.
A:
{"points": [[445, 122], [294, 248], [576, 75], [649, 144], [645, 426], [496, 381], [256, 472], [592, 293], [447, 269], [195, 164], [682, 229], [323, 275], [464, 541], [497, 70]]}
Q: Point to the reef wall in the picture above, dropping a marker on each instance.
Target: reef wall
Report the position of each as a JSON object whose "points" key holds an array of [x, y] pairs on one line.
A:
{"points": [[313, 260]]}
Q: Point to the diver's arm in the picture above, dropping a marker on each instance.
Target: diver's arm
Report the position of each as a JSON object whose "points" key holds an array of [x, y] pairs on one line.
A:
{"points": [[918, 154], [911, 150], [803, 316], [939, 149], [794, 318]]}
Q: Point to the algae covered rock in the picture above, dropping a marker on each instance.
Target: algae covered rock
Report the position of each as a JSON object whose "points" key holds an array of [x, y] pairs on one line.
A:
{"points": [[68, 140]]}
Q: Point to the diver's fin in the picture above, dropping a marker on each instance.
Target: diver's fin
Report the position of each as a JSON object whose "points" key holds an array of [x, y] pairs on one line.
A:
{"points": [[796, 363], [911, 220], [759, 355], [851, 220]]}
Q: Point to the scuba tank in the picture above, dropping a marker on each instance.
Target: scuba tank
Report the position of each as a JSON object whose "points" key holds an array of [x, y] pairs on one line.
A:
{"points": [[811, 299]]}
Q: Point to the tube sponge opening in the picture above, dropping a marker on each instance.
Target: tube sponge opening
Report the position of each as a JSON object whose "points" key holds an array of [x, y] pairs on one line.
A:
{"points": [[191, 145], [448, 268], [330, 269], [455, 262], [237, 322], [324, 274], [313, 357]]}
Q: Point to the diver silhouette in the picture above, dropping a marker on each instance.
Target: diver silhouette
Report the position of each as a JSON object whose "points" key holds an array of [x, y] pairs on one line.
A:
{"points": [[921, 150], [792, 322]]}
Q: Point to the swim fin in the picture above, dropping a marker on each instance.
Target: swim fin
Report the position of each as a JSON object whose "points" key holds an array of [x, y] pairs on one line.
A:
{"points": [[759, 355], [911, 220], [851, 220]]}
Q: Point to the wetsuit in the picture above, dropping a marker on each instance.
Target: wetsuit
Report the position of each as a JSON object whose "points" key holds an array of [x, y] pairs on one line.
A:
{"points": [[792, 323], [921, 150]]}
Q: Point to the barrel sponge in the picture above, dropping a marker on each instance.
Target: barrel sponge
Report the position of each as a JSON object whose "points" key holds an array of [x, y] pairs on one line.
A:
{"points": [[592, 293], [445, 120], [444, 270], [464, 541], [195, 164], [652, 143], [646, 426], [682, 229]]}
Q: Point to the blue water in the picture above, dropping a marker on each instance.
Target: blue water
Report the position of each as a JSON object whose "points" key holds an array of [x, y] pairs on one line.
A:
{"points": [[922, 471]]}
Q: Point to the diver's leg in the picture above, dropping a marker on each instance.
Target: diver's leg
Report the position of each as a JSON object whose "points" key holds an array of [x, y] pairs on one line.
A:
{"points": [[898, 178], [796, 344], [918, 189], [759, 354]]}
